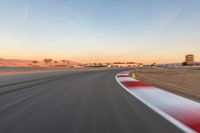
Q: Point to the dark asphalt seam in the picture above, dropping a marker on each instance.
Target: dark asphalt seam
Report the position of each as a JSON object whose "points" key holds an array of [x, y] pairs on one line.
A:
{"points": [[25, 99], [36, 84], [39, 79]]}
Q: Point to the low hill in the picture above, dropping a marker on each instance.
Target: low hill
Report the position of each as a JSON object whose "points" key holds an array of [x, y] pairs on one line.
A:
{"points": [[44, 63]]}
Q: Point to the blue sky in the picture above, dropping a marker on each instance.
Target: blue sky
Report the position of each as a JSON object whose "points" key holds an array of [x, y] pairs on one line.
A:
{"points": [[100, 30]]}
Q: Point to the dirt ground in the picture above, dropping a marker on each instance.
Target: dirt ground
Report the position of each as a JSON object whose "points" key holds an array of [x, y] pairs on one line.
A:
{"points": [[182, 81]]}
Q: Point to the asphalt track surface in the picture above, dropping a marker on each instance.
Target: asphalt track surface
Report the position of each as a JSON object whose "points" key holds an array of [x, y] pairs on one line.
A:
{"points": [[74, 102]]}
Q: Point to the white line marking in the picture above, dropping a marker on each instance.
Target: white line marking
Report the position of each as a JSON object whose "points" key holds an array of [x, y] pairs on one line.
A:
{"points": [[121, 79]]}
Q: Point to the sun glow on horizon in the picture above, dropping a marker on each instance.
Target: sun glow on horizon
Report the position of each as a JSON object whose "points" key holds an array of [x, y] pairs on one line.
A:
{"points": [[138, 31]]}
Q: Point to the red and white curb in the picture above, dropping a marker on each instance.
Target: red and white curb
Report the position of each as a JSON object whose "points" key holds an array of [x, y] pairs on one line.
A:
{"points": [[182, 112]]}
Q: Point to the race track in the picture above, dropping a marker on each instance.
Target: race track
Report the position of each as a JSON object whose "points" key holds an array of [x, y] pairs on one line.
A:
{"points": [[85, 101]]}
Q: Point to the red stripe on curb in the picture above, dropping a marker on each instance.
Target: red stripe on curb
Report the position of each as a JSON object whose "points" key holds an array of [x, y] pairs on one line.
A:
{"points": [[134, 84], [189, 117]]}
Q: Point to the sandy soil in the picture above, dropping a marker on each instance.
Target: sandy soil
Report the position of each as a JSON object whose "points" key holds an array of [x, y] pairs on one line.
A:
{"points": [[182, 81]]}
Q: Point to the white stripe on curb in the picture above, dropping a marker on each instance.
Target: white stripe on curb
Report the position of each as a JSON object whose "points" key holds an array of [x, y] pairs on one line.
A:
{"points": [[121, 79]]}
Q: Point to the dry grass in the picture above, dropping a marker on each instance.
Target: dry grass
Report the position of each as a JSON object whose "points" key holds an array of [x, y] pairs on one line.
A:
{"points": [[183, 81]]}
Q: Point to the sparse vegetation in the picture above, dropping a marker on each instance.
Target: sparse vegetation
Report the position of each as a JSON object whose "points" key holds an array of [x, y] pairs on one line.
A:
{"points": [[47, 60], [184, 64], [35, 62], [153, 64]]}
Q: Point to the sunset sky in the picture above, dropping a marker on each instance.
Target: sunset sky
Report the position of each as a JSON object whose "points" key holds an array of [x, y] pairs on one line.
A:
{"points": [[147, 31]]}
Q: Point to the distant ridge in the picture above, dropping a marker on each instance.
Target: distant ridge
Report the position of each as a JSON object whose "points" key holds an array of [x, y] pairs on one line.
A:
{"points": [[30, 63]]}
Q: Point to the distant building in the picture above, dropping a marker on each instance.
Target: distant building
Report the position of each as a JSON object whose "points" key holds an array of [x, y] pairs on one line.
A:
{"points": [[115, 64], [189, 59], [127, 64]]}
